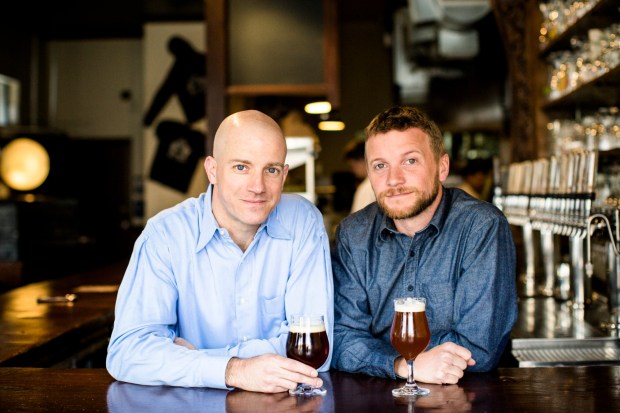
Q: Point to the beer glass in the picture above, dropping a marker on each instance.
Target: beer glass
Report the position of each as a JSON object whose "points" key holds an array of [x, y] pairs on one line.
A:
{"points": [[307, 342], [410, 335]]}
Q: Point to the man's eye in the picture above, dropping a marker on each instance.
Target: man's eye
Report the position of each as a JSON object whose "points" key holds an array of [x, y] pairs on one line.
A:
{"points": [[240, 167], [411, 161], [272, 170], [380, 166]]}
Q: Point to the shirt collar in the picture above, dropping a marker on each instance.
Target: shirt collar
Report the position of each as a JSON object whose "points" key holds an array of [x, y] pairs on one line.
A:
{"points": [[274, 226], [387, 227], [207, 225]]}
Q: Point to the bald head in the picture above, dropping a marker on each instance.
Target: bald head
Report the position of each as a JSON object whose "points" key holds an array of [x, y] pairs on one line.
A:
{"points": [[242, 122], [247, 171]]}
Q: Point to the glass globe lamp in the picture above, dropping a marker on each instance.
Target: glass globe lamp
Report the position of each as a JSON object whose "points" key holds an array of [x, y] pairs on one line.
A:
{"points": [[24, 164]]}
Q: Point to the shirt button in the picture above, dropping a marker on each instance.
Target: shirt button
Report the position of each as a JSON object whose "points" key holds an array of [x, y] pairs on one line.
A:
{"points": [[412, 253], [410, 288], [242, 301], [245, 338]]}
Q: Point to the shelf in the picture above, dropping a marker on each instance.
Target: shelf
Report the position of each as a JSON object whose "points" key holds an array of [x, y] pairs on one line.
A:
{"points": [[310, 90], [603, 14], [602, 91]]}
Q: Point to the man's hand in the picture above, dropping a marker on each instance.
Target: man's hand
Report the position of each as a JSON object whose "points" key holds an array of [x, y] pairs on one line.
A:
{"points": [[269, 373], [444, 364]]}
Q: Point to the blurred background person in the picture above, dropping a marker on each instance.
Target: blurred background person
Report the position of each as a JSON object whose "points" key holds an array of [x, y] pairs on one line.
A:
{"points": [[354, 155], [477, 178]]}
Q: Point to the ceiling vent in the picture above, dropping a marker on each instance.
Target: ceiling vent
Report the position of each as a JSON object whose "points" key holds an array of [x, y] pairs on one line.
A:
{"points": [[444, 29], [430, 38]]}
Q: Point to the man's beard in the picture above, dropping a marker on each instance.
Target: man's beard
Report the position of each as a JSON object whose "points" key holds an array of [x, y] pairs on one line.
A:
{"points": [[421, 203]]}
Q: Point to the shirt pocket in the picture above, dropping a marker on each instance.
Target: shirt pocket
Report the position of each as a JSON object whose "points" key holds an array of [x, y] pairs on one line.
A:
{"points": [[439, 304], [273, 306], [272, 315]]}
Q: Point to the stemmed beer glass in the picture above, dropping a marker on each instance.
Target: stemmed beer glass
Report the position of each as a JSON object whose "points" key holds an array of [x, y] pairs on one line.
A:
{"points": [[410, 335], [307, 342]]}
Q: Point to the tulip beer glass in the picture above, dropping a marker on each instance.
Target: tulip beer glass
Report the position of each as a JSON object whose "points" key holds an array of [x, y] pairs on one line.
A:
{"points": [[307, 342], [410, 335]]}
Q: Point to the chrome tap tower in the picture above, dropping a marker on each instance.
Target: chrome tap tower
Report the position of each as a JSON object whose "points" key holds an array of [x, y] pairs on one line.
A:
{"points": [[552, 201], [601, 221]]}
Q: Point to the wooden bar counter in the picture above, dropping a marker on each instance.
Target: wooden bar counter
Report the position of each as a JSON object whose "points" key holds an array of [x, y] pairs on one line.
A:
{"points": [[58, 334], [35, 335], [539, 389]]}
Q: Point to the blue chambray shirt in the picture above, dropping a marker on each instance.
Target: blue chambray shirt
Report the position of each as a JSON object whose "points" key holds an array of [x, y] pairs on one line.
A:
{"points": [[463, 262], [187, 278]]}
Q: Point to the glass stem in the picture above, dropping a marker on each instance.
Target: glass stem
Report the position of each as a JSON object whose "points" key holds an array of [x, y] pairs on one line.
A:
{"points": [[410, 380]]}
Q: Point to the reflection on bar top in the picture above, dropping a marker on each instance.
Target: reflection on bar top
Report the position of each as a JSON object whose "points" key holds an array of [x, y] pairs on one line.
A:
{"points": [[110, 288], [544, 317]]}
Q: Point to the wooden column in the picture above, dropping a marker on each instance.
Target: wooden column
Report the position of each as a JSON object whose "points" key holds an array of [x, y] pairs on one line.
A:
{"points": [[215, 18], [515, 19]]}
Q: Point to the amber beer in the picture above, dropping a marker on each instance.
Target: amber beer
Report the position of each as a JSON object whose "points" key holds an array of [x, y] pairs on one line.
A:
{"points": [[410, 334], [308, 343]]}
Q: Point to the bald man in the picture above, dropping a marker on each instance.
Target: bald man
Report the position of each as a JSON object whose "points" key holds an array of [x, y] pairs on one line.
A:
{"points": [[212, 282]]}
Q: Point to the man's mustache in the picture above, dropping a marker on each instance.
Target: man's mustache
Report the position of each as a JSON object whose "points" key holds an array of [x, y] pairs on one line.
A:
{"points": [[397, 191]]}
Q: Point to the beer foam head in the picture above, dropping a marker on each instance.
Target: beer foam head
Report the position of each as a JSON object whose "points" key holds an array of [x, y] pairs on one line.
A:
{"points": [[306, 328], [409, 306], [306, 324]]}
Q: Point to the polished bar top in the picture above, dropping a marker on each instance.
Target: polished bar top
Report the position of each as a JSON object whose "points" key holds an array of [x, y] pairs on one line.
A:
{"points": [[41, 334], [545, 317], [544, 389]]}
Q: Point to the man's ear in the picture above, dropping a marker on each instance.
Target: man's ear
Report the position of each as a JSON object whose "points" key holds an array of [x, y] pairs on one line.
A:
{"points": [[444, 167], [211, 168], [284, 174]]}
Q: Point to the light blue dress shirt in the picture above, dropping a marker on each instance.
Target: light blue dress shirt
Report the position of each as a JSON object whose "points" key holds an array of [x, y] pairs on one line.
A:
{"points": [[187, 278]]}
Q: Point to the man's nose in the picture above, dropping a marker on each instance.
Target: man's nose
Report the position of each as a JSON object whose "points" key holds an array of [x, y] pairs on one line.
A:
{"points": [[395, 176], [257, 182]]}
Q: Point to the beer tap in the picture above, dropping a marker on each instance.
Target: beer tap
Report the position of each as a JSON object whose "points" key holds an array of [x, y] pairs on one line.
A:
{"points": [[580, 179], [542, 188], [548, 250], [613, 282], [580, 289], [529, 278]]}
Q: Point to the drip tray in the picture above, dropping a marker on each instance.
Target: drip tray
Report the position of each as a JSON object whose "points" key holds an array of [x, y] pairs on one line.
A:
{"points": [[537, 352]]}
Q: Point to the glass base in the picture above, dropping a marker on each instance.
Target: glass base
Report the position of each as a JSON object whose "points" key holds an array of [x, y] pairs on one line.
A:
{"points": [[410, 391], [306, 390]]}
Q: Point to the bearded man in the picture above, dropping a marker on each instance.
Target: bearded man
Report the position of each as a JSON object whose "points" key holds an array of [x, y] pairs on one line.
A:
{"points": [[421, 240]]}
